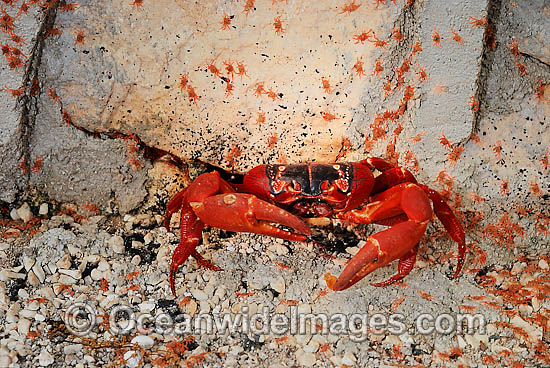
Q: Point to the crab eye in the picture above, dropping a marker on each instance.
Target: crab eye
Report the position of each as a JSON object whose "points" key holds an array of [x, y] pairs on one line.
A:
{"points": [[325, 186], [296, 186]]}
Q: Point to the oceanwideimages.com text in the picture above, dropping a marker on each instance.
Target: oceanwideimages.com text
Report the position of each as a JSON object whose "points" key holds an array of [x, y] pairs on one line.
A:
{"points": [[81, 319]]}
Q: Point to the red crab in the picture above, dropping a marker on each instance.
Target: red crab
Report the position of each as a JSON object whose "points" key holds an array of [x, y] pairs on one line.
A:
{"points": [[284, 193]]}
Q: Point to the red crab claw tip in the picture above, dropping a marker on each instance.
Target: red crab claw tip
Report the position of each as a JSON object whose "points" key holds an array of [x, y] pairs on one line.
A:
{"points": [[364, 262], [397, 242]]}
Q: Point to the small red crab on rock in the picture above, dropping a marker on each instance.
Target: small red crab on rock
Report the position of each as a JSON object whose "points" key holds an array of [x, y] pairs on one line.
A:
{"points": [[284, 194]]}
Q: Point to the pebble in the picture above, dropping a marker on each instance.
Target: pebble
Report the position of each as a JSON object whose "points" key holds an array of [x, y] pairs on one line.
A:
{"points": [[45, 358], [236, 350], [28, 262], [47, 292], [159, 220], [311, 347], [204, 307], [305, 359], [116, 242], [156, 278], [24, 212], [525, 310], [543, 264], [5, 361], [164, 254], [220, 292], [64, 279], [6, 275], [518, 267], [39, 272], [353, 251], [303, 339], [253, 285], [209, 288], [103, 265], [278, 284], [278, 249], [349, 358], [32, 279], [52, 267], [534, 332], [304, 308], [336, 360], [33, 306], [26, 313], [23, 326], [143, 341], [109, 301], [462, 342], [13, 214], [43, 210], [72, 348], [339, 262], [392, 340], [476, 339], [4, 301], [75, 274], [199, 294], [97, 275], [92, 258], [132, 359], [147, 307], [525, 278], [191, 308], [136, 260], [64, 262], [498, 276], [23, 294]]}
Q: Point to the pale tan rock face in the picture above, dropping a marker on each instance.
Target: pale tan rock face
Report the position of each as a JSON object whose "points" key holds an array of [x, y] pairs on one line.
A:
{"points": [[126, 77]]}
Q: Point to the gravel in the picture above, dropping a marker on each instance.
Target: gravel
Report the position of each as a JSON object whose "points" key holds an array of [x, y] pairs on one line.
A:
{"points": [[103, 267]]}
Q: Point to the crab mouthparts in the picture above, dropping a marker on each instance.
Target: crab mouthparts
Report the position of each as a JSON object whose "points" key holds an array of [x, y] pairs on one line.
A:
{"points": [[311, 207]]}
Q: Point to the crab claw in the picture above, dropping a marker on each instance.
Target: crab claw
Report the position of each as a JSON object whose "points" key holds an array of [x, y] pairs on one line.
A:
{"points": [[397, 242], [242, 212]]}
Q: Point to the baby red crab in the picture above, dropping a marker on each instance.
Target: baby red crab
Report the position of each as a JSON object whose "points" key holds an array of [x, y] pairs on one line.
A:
{"points": [[283, 194]]}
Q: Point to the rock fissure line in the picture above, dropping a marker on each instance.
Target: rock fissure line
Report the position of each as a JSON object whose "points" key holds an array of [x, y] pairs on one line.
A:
{"points": [[28, 101], [494, 8], [535, 59]]}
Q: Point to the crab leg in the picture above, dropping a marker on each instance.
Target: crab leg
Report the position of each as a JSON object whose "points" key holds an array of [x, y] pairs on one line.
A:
{"points": [[190, 225], [392, 176], [398, 242], [173, 206], [190, 237], [377, 163], [450, 222]]}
